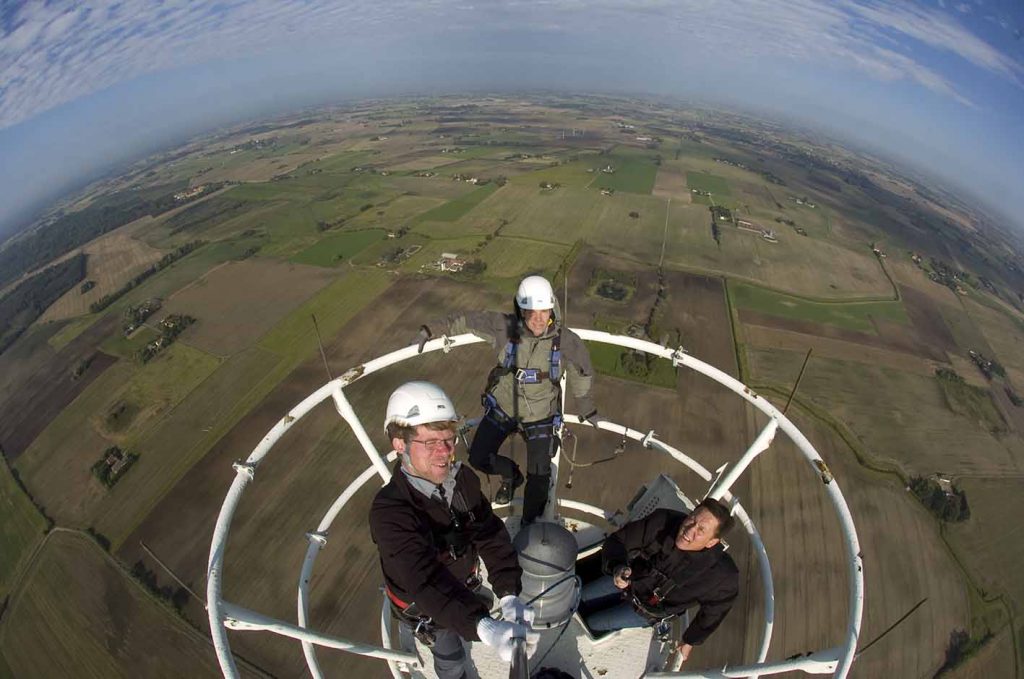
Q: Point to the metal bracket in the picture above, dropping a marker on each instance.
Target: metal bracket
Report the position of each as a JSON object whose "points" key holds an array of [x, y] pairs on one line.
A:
{"points": [[447, 343], [646, 440], [718, 476], [246, 468], [232, 623], [317, 537], [677, 356]]}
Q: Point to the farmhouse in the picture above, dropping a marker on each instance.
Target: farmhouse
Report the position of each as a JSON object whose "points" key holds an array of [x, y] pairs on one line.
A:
{"points": [[450, 262], [112, 465], [944, 483], [191, 193], [754, 227]]}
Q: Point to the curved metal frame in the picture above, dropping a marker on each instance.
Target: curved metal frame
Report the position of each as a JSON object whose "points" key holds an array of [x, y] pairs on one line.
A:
{"points": [[224, 615]]}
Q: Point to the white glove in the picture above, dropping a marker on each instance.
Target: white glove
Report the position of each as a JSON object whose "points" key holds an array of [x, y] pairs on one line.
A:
{"points": [[514, 610], [532, 639], [500, 635]]}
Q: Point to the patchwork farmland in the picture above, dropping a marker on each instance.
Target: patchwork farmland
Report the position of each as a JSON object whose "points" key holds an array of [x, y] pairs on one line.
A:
{"points": [[343, 218]]}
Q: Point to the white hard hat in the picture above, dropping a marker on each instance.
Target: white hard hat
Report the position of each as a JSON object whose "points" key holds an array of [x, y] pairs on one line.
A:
{"points": [[535, 293], [416, 403]]}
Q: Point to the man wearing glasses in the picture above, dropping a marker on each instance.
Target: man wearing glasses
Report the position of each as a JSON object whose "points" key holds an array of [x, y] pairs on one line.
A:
{"points": [[660, 566], [431, 523]]}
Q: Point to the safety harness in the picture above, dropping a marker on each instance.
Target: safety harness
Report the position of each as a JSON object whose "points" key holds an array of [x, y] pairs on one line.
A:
{"points": [[533, 375], [493, 411], [452, 544]]}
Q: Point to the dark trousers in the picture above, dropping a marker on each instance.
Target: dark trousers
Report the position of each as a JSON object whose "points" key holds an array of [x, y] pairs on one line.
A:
{"points": [[448, 651], [541, 446]]}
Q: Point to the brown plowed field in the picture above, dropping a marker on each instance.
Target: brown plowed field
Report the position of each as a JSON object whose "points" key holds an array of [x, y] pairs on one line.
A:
{"points": [[584, 309], [696, 305], [670, 182], [42, 385], [237, 302], [79, 615], [827, 347], [927, 319], [892, 336], [904, 561]]}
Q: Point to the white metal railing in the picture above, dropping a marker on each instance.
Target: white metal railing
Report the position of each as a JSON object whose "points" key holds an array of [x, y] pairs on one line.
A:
{"points": [[224, 615]]}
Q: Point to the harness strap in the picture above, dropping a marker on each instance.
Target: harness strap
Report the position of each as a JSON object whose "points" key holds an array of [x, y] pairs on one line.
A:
{"points": [[473, 582], [555, 360], [395, 600]]}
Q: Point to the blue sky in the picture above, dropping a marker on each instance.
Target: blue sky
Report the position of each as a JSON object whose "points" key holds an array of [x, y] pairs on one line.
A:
{"points": [[85, 86]]}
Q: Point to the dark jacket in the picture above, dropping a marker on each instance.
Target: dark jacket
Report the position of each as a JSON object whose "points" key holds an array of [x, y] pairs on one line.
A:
{"points": [[531, 402], [708, 577], [414, 534]]}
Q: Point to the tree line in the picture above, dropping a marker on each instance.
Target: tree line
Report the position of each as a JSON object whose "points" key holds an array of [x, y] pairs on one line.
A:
{"points": [[165, 261], [25, 303], [947, 506], [77, 228]]}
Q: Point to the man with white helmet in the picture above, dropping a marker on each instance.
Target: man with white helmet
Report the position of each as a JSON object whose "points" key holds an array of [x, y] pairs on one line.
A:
{"points": [[431, 524], [523, 391]]}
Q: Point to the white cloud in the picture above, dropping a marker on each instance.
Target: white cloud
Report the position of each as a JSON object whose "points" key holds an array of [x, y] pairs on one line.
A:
{"points": [[58, 52]]}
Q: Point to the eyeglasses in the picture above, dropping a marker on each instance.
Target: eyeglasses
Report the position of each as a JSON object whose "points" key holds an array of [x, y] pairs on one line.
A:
{"points": [[434, 445]]}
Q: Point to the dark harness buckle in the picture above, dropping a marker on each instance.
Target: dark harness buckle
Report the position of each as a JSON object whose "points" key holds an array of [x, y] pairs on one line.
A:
{"points": [[425, 632]]}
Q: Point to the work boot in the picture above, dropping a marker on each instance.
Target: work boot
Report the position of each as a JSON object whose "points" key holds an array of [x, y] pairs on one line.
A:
{"points": [[507, 489]]}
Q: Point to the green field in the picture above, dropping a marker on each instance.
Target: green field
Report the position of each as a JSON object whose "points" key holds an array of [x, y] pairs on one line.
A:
{"points": [[380, 250], [510, 257], [126, 347], [705, 181], [971, 402], [633, 174], [561, 216], [431, 249], [396, 213], [897, 416], [73, 329], [610, 360], [641, 236], [333, 306], [458, 207], [573, 174], [79, 615], [21, 530], [168, 449], [56, 466], [850, 315], [337, 247], [155, 389]]}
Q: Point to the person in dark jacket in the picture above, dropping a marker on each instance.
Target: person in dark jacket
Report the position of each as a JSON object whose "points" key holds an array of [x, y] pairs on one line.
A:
{"points": [[430, 524], [523, 392], [660, 566]]}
